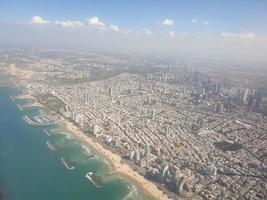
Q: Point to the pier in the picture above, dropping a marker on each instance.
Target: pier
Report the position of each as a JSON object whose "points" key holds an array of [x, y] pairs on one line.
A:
{"points": [[31, 122], [47, 132], [66, 163], [90, 176], [51, 146]]}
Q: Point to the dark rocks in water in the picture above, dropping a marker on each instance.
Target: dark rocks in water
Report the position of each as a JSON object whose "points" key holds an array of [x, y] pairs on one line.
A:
{"points": [[228, 146]]}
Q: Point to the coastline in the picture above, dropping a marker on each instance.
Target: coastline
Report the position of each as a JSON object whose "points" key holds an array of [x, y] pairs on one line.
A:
{"points": [[122, 169], [118, 167]]}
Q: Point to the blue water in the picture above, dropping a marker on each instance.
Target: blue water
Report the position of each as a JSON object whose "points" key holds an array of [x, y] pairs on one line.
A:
{"points": [[29, 170]]}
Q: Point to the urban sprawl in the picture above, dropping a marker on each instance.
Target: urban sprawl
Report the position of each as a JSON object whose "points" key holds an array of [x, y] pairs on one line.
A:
{"points": [[195, 133]]}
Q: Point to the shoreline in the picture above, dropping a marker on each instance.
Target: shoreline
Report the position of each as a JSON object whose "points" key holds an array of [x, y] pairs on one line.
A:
{"points": [[121, 169]]}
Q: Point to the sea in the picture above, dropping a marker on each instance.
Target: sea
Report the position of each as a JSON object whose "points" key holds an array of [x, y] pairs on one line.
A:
{"points": [[30, 170]]}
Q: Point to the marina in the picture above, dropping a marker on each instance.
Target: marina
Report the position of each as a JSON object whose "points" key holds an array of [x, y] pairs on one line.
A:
{"points": [[38, 122]]}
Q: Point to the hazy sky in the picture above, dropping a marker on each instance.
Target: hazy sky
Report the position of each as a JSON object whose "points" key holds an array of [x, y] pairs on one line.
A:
{"points": [[224, 29]]}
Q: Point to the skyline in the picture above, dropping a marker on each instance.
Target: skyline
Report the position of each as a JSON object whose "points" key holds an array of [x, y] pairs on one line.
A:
{"points": [[125, 100], [225, 30], [174, 130]]}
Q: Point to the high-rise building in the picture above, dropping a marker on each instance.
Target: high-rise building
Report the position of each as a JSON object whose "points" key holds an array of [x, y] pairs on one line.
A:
{"points": [[96, 129], [150, 87], [137, 154], [153, 114], [147, 151], [73, 115], [165, 91], [110, 91], [177, 173], [85, 97], [131, 155], [149, 99], [217, 88], [158, 150], [117, 143], [165, 77], [245, 95], [259, 96], [250, 100], [164, 171], [78, 118], [167, 130]]}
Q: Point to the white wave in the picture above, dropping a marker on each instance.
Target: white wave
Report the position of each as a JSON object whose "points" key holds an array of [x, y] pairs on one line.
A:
{"points": [[134, 194], [102, 159], [86, 149], [66, 134]]}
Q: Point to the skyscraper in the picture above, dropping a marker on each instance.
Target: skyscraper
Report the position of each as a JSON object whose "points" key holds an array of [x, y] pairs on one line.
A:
{"points": [[259, 96]]}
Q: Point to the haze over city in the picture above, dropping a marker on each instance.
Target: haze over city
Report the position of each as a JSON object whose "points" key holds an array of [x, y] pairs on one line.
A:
{"points": [[228, 30], [133, 100]]}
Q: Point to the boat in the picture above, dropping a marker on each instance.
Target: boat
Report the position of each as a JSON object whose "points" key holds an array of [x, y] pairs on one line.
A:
{"points": [[94, 179], [67, 163], [51, 146]]}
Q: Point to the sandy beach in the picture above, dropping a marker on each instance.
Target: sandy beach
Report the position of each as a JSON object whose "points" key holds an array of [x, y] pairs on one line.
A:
{"points": [[122, 169]]}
